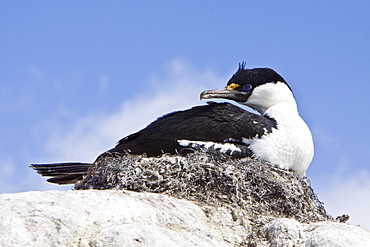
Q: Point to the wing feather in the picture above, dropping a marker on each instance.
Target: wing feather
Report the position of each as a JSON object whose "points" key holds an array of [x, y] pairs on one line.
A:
{"points": [[217, 122]]}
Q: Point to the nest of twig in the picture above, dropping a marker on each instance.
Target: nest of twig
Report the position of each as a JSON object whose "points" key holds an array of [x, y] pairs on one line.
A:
{"points": [[254, 186]]}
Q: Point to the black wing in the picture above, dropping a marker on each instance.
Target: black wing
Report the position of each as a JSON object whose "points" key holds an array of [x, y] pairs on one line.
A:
{"points": [[62, 173], [217, 122]]}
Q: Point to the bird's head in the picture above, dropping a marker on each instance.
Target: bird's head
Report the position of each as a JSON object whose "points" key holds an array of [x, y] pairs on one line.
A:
{"points": [[259, 88]]}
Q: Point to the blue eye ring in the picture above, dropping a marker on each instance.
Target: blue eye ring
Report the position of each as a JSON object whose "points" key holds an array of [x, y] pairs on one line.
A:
{"points": [[247, 87]]}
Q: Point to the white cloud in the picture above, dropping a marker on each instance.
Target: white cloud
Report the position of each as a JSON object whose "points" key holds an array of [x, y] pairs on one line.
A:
{"points": [[348, 195], [345, 188], [177, 88]]}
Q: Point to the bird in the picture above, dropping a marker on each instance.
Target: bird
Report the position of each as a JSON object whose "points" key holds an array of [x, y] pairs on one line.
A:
{"points": [[274, 132]]}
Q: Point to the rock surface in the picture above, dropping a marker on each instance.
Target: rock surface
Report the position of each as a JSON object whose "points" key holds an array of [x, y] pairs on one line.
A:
{"points": [[111, 218], [197, 199], [127, 218]]}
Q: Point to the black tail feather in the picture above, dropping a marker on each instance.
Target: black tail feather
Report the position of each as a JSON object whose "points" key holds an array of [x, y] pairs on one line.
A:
{"points": [[62, 173]]}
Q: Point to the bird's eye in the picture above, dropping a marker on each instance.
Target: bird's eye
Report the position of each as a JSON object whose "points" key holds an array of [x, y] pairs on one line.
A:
{"points": [[247, 87]]}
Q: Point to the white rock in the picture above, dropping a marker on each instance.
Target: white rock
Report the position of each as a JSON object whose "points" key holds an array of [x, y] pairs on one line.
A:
{"points": [[108, 218], [284, 232], [336, 235], [124, 218], [289, 232]]}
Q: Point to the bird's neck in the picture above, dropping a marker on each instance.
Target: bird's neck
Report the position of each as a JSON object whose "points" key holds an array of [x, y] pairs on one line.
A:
{"points": [[284, 112], [277, 99]]}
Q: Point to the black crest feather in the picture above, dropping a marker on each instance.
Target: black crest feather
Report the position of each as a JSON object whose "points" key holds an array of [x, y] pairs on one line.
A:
{"points": [[242, 66]]}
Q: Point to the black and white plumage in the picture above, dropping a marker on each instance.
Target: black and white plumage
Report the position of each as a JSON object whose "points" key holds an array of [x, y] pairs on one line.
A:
{"points": [[278, 134]]}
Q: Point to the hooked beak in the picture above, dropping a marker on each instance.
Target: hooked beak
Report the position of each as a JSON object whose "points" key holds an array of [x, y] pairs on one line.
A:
{"points": [[225, 93]]}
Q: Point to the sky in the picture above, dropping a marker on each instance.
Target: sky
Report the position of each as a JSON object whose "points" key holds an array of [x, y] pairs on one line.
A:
{"points": [[77, 76]]}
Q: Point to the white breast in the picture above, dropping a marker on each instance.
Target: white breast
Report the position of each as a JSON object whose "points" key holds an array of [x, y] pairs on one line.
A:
{"points": [[290, 145]]}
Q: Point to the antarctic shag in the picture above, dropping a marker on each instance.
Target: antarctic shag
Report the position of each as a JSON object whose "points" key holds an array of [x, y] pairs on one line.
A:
{"points": [[278, 134]]}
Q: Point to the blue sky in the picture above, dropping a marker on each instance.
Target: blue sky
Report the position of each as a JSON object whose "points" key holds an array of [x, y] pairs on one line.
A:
{"points": [[76, 76]]}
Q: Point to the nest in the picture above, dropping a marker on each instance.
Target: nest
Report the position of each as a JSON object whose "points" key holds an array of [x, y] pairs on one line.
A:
{"points": [[254, 186]]}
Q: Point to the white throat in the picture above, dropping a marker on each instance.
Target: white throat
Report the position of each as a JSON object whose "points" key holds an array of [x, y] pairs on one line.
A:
{"points": [[290, 145], [270, 94]]}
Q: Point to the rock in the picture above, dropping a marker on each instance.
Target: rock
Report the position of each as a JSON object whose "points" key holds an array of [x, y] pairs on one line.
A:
{"points": [[200, 199], [336, 234], [284, 232], [111, 218], [289, 232], [126, 218]]}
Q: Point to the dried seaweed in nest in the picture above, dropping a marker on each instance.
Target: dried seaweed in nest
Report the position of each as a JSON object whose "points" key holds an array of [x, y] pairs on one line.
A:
{"points": [[253, 187]]}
